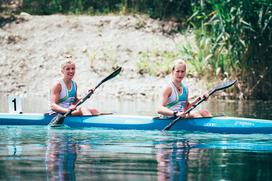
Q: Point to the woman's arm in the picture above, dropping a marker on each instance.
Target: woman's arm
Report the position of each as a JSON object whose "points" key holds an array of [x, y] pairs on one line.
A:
{"points": [[205, 96]]}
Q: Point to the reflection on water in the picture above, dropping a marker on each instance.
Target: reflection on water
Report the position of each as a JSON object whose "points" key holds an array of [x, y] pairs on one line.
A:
{"points": [[60, 157], [172, 160], [255, 109], [36, 153]]}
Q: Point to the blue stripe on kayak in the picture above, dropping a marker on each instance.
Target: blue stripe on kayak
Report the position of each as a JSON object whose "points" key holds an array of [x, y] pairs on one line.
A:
{"points": [[213, 125]]}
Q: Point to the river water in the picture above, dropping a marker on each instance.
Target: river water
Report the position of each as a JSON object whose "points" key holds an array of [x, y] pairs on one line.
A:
{"points": [[253, 108], [42, 153]]}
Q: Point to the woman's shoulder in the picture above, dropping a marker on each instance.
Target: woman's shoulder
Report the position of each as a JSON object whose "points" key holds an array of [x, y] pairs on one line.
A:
{"points": [[167, 88], [184, 86], [166, 84], [75, 83], [56, 84]]}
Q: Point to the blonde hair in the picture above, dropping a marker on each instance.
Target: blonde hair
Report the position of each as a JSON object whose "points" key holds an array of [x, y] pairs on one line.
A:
{"points": [[68, 59], [177, 62]]}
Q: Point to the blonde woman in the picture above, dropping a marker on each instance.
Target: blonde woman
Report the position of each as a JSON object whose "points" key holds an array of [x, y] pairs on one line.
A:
{"points": [[174, 97], [64, 92]]}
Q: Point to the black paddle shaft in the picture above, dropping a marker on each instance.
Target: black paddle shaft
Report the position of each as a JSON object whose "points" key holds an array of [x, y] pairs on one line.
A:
{"points": [[216, 88], [58, 120]]}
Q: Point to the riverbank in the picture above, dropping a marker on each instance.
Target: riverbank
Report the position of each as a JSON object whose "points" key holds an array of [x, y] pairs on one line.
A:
{"points": [[32, 48]]}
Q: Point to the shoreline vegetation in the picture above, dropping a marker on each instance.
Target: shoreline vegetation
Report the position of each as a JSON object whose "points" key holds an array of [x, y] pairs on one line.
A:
{"points": [[219, 41]]}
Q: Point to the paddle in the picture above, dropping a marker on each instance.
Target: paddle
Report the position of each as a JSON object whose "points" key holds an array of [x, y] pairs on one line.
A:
{"points": [[59, 118], [221, 86]]}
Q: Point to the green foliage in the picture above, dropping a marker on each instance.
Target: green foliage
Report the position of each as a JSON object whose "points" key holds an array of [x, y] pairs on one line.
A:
{"points": [[104, 56], [204, 60], [240, 33], [197, 57], [156, 8], [156, 63]]}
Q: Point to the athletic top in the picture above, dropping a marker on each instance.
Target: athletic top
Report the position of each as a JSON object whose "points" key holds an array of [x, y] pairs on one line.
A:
{"points": [[66, 97], [176, 101]]}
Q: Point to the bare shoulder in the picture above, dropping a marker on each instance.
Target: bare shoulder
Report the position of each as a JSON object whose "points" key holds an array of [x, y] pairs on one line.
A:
{"points": [[185, 86], [167, 89], [75, 83], [56, 86]]}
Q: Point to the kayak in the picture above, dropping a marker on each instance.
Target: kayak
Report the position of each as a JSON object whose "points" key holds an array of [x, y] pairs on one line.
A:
{"points": [[219, 124]]}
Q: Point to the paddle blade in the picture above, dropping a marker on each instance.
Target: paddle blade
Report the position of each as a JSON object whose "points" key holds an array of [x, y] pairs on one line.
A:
{"points": [[57, 120], [224, 85], [112, 75]]}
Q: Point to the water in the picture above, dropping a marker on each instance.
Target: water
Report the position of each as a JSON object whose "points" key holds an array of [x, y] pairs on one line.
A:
{"points": [[41, 153], [254, 109]]}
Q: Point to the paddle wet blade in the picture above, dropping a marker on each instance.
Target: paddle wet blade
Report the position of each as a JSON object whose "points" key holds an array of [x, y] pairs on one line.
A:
{"points": [[224, 85], [112, 75], [57, 120]]}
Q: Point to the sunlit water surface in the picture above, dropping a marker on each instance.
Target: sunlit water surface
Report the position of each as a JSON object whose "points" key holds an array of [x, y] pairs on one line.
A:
{"points": [[42, 153]]}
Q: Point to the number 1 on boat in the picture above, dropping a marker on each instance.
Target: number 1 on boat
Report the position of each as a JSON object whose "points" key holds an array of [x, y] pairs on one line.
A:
{"points": [[15, 104]]}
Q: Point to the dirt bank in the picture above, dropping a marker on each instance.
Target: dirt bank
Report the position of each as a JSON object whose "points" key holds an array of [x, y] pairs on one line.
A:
{"points": [[32, 48]]}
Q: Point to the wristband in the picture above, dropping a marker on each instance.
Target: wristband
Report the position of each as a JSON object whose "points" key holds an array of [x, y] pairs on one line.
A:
{"points": [[175, 113]]}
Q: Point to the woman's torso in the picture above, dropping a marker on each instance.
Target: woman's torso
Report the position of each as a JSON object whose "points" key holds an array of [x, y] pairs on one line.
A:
{"points": [[177, 100], [66, 96]]}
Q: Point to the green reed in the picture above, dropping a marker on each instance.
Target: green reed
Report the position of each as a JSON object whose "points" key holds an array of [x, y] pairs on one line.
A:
{"points": [[241, 36]]}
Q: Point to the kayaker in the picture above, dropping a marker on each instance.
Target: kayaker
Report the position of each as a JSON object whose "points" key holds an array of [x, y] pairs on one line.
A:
{"points": [[64, 92], [174, 98]]}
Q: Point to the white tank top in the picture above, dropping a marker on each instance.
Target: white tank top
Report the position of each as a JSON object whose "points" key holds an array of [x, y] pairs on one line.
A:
{"points": [[176, 101], [67, 97]]}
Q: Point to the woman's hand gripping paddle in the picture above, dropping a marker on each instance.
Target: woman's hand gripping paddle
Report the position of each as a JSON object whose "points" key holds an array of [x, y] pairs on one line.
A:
{"points": [[59, 118], [221, 86]]}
